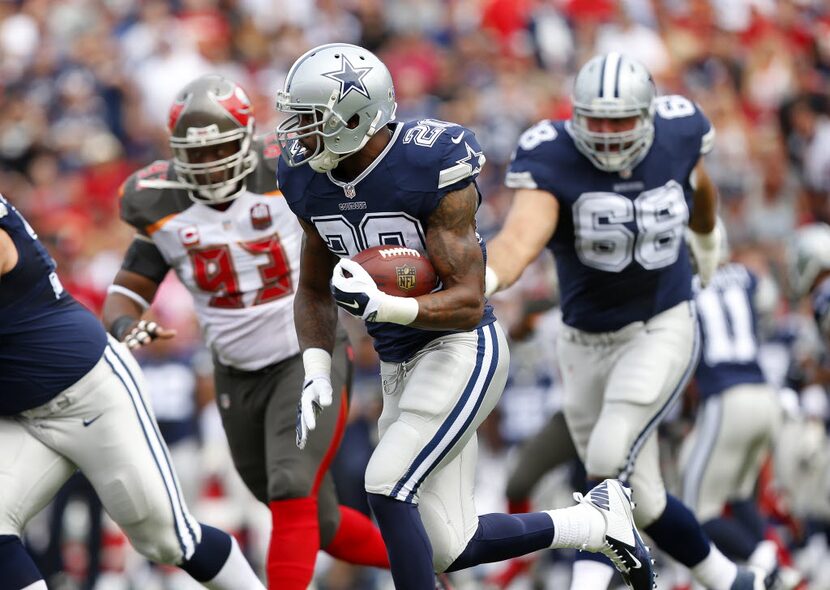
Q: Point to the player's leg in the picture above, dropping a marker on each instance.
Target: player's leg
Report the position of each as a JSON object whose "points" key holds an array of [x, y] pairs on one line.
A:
{"points": [[109, 431], [305, 512], [649, 375], [444, 398], [431, 407], [30, 475]]}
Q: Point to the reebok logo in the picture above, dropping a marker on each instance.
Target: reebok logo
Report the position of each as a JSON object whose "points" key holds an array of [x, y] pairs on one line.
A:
{"points": [[88, 421]]}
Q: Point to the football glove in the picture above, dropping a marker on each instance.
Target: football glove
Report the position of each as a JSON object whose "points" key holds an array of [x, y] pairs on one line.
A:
{"points": [[145, 332], [359, 295], [317, 394]]}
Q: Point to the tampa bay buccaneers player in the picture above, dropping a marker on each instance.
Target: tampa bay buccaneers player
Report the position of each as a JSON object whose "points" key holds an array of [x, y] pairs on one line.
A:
{"points": [[213, 213]]}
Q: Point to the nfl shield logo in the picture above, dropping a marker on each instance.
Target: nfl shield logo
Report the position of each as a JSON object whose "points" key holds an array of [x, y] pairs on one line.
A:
{"points": [[406, 277], [261, 216]]}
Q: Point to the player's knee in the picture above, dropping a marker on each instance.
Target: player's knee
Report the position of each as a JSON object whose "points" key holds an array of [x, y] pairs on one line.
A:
{"points": [[9, 523], [447, 542], [156, 540], [607, 450], [286, 484], [649, 503]]}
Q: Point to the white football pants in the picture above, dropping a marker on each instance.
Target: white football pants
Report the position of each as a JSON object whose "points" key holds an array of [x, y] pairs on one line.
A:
{"points": [[432, 406], [722, 456], [104, 426], [618, 387]]}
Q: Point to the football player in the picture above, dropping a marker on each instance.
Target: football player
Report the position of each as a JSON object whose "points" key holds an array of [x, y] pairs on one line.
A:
{"points": [[73, 398], [739, 413], [213, 214], [356, 179], [611, 192]]}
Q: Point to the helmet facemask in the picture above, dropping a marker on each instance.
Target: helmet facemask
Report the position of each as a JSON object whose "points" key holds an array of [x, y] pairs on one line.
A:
{"points": [[613, 151], [613, 86], [215, 181]]}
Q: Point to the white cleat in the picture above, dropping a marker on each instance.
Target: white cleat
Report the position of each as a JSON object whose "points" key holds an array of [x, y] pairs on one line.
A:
{"points": [[620, 542]]}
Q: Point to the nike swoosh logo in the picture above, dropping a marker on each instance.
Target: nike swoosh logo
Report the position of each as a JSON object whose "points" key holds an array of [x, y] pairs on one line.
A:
{"points": [[458, 139], [88, 422], [637, 563], [353, 304]]}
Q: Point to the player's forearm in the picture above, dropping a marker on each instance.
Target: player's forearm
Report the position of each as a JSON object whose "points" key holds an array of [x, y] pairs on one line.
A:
{"points": [[457, 308], [506, 260], [315, 319], [118, 309]]}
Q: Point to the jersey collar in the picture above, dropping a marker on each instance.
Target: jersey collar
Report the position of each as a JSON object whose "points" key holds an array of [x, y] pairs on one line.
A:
{"points": [[349, 186]]}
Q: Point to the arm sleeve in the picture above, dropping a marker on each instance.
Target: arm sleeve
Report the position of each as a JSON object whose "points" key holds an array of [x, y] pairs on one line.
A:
{"points": [[145, 259]]}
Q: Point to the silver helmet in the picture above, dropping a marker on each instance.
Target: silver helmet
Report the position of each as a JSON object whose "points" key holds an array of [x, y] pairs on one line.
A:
{"points": [[613, 86], [808, 256], [212, 112], [339, 93]]}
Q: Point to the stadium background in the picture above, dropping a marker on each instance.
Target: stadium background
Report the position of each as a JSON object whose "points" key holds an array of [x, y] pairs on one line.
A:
{"points": [[86, 85]]}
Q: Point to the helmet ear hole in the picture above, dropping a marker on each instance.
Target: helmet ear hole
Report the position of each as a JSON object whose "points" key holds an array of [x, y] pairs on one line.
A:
{"points": [[353, 121]]}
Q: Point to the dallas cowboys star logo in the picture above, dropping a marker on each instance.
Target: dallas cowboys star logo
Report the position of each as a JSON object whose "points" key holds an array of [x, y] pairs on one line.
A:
{"points": [[350, 78], [475, 160]]}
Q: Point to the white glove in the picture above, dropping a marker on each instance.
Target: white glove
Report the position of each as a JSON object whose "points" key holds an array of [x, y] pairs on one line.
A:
{"points": [[317, 392], [360, 296], [705, 252]]}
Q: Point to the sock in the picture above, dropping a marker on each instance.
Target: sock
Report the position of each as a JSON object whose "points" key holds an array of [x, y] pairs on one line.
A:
{"points": [[747, 513], [210, 555], [235, 573], [678, 533], [518, 506], [715, 571], [591, 573], [295, 539], [19, 571], [358, 541], [731, 537], [502, 536], [409, 549]]}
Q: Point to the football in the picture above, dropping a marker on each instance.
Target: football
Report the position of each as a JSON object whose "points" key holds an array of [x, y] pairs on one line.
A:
{"points": [[398, 271]]}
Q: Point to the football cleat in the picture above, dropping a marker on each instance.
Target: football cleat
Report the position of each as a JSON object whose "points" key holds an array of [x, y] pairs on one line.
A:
{"points": [[621, 542], [749, 578]]}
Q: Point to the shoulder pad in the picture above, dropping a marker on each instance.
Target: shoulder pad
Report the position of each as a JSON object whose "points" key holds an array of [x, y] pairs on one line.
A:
{"points": [[144, 207], [685, 118], [542, 151], [440, 155]]}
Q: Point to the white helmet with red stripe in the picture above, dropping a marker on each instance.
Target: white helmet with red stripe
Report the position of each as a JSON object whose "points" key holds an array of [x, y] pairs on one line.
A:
{"points": [[211, 127]]}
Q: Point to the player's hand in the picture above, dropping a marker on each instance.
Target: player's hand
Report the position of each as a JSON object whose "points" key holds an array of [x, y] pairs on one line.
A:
{"points": [[358, 294], [144, 332], [317, 394]]}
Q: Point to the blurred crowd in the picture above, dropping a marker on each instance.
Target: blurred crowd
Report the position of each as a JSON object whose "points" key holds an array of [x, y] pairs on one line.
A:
{"points": [[87, 84]]}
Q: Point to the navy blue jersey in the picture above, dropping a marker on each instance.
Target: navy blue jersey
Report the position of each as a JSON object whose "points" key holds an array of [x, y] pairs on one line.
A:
{"points": [[48, 341], [618, 244], [729, 329], [389, 203]]}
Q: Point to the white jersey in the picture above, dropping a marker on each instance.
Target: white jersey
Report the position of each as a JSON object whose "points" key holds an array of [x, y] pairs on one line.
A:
{"points": [[242, 278], [241, 265]]}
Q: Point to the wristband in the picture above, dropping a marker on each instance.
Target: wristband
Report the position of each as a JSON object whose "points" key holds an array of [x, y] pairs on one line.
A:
{"points": [[316, 363], [397, 310], [121, 326], [491, 281]]}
